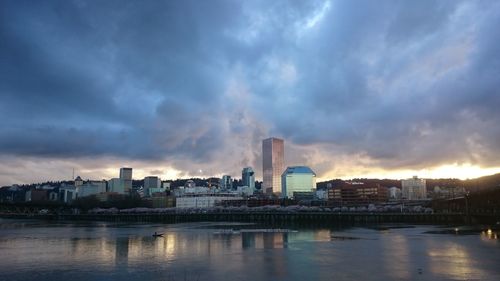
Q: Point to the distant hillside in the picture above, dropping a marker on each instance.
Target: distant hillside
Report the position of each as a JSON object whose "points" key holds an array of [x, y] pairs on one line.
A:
{"points": [[482, 183], [472, 185]]}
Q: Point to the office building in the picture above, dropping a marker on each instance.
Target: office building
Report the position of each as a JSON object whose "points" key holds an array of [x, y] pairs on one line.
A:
{"points": [[226, 183], [116, 185], [273, 164], [248, 177], [204, 200], [414, 188], [152, 182], [90, 188], [297, 179], [126, 177], [357, 193], [152, 185]]}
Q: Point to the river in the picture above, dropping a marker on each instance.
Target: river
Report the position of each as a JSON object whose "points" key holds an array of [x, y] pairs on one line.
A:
{"points": [[49, 251]]}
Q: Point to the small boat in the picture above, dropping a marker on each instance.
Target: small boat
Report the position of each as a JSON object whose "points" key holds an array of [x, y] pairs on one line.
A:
{"points": [[157, 235]]}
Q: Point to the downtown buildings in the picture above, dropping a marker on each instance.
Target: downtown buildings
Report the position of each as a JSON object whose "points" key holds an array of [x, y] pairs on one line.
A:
{"points": [[273, 165], [414, 189]]}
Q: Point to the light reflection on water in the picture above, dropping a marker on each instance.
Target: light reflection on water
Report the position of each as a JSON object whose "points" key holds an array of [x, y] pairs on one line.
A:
{"points": [[31, 250]]}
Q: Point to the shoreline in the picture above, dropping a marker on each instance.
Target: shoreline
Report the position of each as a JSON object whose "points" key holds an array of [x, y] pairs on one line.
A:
{"points": [[316, 218]]}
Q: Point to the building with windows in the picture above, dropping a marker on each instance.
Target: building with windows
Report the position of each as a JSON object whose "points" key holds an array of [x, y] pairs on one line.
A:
{"points": [[297, 179], [248, 177], [357, 193], [273, 164], [126, 177], [206, 200], [414, 189], [90, 188], [152, 184], [226, 183], [116, 185]]}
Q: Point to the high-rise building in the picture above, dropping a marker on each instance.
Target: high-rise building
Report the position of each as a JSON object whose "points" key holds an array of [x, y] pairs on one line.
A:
{"points": [[298, 179], [273, 164], [226, 183], [248, 177], [126, 177], [414, 188], [152, 184]]}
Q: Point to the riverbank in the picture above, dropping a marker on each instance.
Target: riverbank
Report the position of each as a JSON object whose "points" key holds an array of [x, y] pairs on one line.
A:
{"points": [[316, 218]]}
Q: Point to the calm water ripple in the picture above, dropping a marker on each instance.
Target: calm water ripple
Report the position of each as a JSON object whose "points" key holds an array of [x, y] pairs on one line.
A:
{"points": [[47, 251]]}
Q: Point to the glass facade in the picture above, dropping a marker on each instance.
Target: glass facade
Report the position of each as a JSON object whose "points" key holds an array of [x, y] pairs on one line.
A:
{"points": [[273, 164], [298, 179], [248, 177]]}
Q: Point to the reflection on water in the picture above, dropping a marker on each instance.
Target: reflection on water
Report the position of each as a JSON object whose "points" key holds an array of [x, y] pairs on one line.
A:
{"points": [[31, 250], [396, 246], [452, 258]]}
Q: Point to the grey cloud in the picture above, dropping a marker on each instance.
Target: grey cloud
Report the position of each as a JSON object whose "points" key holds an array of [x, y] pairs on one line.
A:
{"points": [[407, 84]]}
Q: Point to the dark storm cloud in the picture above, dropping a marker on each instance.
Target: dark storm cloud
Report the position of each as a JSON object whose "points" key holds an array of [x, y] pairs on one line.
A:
{"points": [[200, 83]]}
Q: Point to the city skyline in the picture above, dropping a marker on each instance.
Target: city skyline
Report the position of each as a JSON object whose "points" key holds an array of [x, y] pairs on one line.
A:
{"points": [[356, 89]]}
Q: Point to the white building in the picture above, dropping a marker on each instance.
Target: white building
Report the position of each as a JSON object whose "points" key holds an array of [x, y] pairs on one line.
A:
{"points": [[203, 200], [90, 188], [297, 179], [414, 189], [71, 192], [394, 193]]}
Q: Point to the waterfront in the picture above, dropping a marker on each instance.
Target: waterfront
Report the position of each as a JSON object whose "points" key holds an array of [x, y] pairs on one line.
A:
{"points": [[37, 250]]}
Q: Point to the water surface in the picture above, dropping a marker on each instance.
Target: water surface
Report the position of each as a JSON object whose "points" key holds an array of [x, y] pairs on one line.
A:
{"points": [[47, 251]]}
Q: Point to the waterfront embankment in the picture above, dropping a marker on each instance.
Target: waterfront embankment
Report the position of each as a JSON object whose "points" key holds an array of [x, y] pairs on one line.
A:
{"points": [[271, 217]]}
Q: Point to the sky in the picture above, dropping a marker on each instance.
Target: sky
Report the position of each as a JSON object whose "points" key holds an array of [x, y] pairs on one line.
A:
{"points": [[190, 88]]}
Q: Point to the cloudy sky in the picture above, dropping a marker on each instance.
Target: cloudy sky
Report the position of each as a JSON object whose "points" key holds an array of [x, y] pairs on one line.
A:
{"points": [[190, 88]]}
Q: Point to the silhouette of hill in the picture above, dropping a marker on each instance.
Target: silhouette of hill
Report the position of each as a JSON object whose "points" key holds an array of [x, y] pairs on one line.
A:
{"points": [[472, 185]]}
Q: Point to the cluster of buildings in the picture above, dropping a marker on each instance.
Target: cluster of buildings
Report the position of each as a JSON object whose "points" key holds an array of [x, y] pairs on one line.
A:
{"points": [[296, 183]]}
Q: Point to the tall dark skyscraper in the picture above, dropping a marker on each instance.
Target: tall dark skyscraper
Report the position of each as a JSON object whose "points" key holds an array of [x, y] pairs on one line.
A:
{"points": [[273, 164]]}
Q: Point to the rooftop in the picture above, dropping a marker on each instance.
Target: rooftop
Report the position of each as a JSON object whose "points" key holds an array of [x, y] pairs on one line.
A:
{"points": [[299, 170]]}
